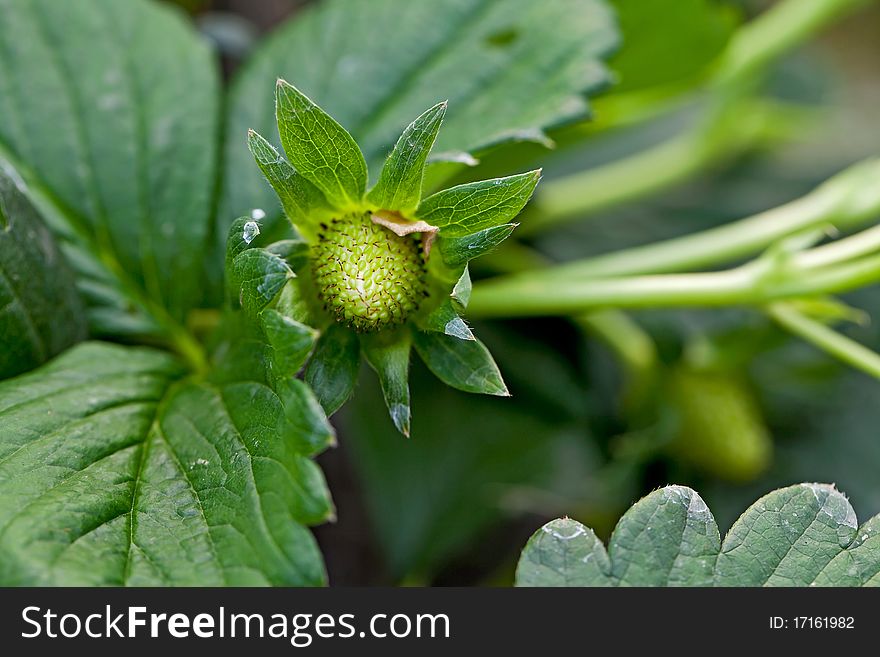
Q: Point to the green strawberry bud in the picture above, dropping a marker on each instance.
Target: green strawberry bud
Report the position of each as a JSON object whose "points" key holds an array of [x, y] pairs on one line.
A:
{"points": [[366, 276]]}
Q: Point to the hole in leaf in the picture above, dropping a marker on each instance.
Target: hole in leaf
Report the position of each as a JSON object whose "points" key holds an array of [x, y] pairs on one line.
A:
{"points": [[503, 38]]}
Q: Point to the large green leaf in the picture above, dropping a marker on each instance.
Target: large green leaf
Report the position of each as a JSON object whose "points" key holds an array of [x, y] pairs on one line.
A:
{"points": [[509, 68], [803, 535], [40, 311], [138, 477], [110, 114]]}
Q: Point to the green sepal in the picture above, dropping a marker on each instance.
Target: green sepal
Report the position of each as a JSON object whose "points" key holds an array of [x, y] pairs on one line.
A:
{"points": [[457, 251], [399, 188], [473, 207], [260, 276], [388, 355], [319, 148], [333, 369], [463, 364], [290, 343], [294, 251], [304, 419], [444, 319], [301, 201], [461, 293]]}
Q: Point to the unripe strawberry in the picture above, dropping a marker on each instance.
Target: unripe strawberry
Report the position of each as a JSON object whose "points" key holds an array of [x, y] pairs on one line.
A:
{"points": [[366, 276], [721, 429]]}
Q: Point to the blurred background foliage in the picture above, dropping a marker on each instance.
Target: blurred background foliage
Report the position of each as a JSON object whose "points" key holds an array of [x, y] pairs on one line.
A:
{"points": [[723, 401]]}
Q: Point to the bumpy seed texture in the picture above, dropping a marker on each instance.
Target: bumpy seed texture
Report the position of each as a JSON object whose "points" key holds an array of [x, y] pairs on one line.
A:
{"points": [[367, 277]]}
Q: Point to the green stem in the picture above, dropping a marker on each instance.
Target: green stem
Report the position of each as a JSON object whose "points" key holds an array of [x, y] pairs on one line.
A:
{"points": [[849, 199], [750, 284], [777, 31], [827, 339]]}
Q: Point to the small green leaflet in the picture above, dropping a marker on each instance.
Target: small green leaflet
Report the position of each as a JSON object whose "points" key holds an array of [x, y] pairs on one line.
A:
{"points": [[333, 370], [390, 359], [803, 535]]}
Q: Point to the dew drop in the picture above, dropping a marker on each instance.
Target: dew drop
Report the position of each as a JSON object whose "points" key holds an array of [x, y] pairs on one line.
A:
{"points": [[250, 232]]}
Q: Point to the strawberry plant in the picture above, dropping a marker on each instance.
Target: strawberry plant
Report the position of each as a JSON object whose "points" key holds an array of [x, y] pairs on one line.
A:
{"points": [[195, 273]]}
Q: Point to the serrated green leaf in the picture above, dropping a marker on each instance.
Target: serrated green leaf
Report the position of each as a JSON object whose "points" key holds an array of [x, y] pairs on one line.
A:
{"points": [[473, 207], [332, 372], [290, 341], [444, 319], [548, 557], [339, 53], [319, 148], [98, 98], [400, 184], [389, 357], [463, 364], [260, 275], [458, 251], [41, 313], [300, 199], [164, 483], [802, 535]]}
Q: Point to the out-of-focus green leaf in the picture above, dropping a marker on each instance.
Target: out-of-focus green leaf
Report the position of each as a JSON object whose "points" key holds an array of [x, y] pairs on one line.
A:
{"points": [[669, 41], [803, 535], [40, 311], [110, 114], [291, 342]]}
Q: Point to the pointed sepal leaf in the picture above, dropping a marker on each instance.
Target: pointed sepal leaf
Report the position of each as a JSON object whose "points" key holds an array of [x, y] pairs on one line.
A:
{"points": [[458, 251], [319, 148], [260, 275], [301, 200], [399, 188], [444, 319], [461, 293], [333, 370], [802, 535], [290, 343], [304, 419], [473, 207], [463, 364], [388, 355]]}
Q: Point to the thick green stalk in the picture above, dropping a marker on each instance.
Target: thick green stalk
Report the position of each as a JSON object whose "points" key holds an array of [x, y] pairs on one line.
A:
{"points": [[847, 200], [756, 283]]}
